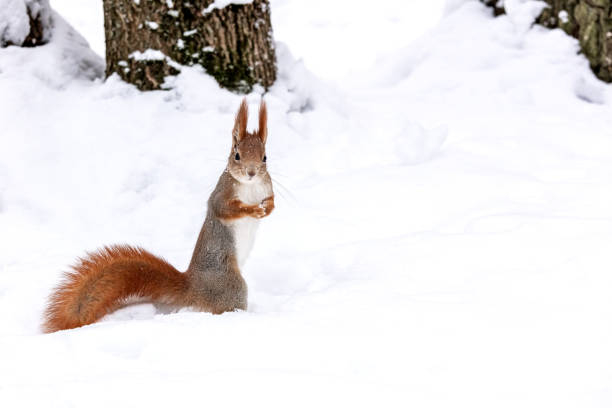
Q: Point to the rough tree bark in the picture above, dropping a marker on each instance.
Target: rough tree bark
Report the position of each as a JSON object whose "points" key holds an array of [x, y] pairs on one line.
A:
{"points": [[590, 21], [147, 40], [25, 23]]}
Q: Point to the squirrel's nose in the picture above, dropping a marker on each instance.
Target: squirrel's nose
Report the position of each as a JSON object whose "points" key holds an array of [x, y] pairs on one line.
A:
{"points": [[251, 173]]}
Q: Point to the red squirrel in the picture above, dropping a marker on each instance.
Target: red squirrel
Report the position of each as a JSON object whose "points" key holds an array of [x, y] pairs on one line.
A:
{"points": [[118, 275]]}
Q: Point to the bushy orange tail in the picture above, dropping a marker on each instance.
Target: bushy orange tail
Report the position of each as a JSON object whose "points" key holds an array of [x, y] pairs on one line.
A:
{"points": [[105, 280]]}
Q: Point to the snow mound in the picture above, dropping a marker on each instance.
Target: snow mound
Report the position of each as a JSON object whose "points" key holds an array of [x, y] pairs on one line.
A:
{"points": [[15, 20], [64, 59]]}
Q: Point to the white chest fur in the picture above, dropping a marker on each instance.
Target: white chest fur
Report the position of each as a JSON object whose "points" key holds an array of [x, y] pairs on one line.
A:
{"points": [[245, 228]]}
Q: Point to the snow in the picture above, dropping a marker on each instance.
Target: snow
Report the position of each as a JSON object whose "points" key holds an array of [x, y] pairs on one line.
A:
{"points": [[441, 235], [148, 55], [15, 22], [152, 25], [523, 13], [347, 33], [219, 4], [153, 55]]}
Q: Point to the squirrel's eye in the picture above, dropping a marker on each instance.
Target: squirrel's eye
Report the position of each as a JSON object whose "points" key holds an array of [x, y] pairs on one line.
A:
{"points": [[237, 156], [265, 158]]}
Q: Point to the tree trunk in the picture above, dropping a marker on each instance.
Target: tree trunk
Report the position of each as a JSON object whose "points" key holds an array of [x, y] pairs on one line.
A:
{"points": [[25, 23], [590, 21], [147, 40]]}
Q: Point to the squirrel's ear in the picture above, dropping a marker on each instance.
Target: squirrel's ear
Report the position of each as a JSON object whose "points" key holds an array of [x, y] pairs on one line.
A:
{"points": [[263, 122], [240, 125]]}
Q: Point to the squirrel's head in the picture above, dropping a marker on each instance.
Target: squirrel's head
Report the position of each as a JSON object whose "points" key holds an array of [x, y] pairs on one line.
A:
{"points": [[247, 159]]}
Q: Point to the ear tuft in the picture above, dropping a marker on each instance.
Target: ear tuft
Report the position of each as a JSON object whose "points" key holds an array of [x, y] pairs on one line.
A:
{"points": [[240, 124], [263, 121]]}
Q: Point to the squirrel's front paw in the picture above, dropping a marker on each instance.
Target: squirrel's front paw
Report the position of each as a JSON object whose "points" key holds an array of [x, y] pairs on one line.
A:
{"points": [[268, 204], [258, 211]]}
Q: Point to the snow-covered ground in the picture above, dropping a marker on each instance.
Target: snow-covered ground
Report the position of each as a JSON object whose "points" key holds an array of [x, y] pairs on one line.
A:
{"points": [[442, 237]]}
